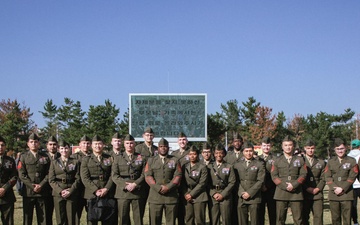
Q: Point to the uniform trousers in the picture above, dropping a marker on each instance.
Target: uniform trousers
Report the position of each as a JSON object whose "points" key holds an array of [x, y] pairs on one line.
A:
{"points": [[195, 213], [7, 213], [65, 211], [316, 207], [340, 210], [40, 204], [221, 209], [354, 214], [282, 208], [138, 210], [243, 211], [156, 213], [268, 201]]}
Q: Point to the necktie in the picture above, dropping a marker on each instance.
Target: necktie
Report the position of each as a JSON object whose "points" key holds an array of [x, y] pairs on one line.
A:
{"points": [[99, 158], [237, 155], [65, 161], [247, 163], [163, 160], [130, 157], [218, 165], [289, 160], [311, 161]]}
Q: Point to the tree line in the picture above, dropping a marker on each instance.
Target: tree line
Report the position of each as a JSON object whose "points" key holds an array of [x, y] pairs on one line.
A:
{"points": [[69, 121]]}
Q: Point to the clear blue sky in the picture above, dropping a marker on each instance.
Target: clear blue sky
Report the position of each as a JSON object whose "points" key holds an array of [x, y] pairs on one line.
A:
{"points": [[293, 56]]}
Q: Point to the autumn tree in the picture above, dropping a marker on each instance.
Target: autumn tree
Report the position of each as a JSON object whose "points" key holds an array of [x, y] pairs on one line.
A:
{"points": [[264, 125]]}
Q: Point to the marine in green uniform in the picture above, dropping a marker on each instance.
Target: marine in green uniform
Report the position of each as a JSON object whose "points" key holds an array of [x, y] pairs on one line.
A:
{"points": [[33, 168], [116, 145], [95, 172], [288, 173], [85, 145], [163, 174], [8, 178], [64, 178], [340, 173], [221, 182], [147, 148], [194, 184], [314, 185], [268, 188], [128, 176]]}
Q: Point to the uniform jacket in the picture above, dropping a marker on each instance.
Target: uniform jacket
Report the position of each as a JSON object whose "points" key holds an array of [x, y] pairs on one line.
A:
{"points": [[231, 157], [184, 158], [113, 154], [34, 171], [64, 177], [341, 175], [269, 184], [56, 155], [315, 178], [126, 170], [8, 178], [157, 174], [143, 149], [195, 181], [251, 179], [97, 175], [294, 173], [222, 180]]}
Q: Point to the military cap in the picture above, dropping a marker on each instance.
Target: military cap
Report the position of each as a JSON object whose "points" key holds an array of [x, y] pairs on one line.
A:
{"points": [[52, 139], [287, 138], [164, 142], [265, 140], [220, 147], [63, 143], [128, 137], [338, 142], [206, 145], [116, 135], [33, 136], [355, 143], [309, 142], [2, 139], [237, 136], [181, 134], [97, 138], [247, 144], [85, 138], [148, 130], [193, 148]]}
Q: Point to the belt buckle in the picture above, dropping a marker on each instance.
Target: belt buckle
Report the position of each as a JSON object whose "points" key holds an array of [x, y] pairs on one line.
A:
{"points": [[311, 178], [339, 178], [101, 177], [63, 180], [217, 187], [37, 174], [289, 177], [132, 177]]}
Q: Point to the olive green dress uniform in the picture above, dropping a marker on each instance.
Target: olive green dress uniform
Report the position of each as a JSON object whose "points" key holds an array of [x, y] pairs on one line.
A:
{"points": [[146, 151], [65, 176], [126, 170], [232, 158], [314, 179], [158, 173], [50, 209], [183, 158], [222, 180], [268, 195], [295, 173], [81, 189], [8, 178], [252, 177], [195, 183], [34, 170], [341, 175], [97, 175]]}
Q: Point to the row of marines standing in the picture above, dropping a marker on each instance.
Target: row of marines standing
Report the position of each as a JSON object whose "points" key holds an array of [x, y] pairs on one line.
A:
{"points": [[234, 181]]}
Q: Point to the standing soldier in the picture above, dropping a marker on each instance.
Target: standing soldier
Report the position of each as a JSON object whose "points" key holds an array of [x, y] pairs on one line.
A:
{"points": [[95, 174], [116, 145], [288, 173], [8, 178], [340, 173], [194, 184], [163, 175], [147, 148], [64, 178], [314, 185], [252, 174], [222, 181], [85, 144], [233, 156], [33, 170], [52, 152], [128, 176], [268, 188]]}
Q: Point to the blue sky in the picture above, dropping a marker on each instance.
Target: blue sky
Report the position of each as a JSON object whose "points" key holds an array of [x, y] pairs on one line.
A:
{"points": [[300, 57]]}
